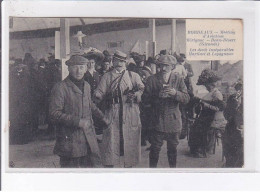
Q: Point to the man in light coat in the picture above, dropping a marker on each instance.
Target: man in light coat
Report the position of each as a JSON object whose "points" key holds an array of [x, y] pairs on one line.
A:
{"points": [[163, 92], [121, 90], [71, 111]]}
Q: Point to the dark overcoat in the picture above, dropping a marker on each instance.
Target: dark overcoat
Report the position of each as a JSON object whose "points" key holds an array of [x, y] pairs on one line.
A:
{"points": [[92, 80]]}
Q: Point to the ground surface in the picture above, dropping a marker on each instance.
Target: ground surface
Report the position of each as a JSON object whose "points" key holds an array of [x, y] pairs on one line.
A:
{"points": [[39, 154]]}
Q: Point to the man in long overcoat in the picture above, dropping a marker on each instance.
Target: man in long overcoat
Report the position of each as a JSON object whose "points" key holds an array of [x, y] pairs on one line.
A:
{"points": [[122, 91], [163, 92], [71, 110]]}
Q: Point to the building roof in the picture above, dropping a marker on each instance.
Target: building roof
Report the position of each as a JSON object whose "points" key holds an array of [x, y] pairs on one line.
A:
{"points": [[27, 24], [24, 28]]}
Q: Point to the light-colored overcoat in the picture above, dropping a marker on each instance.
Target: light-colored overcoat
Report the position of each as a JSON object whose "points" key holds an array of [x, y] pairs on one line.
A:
{"points": [[131, 120]]}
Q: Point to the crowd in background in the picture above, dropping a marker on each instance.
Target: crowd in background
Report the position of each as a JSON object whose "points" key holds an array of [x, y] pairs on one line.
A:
{"points": [[31, 82], [30, 85]]}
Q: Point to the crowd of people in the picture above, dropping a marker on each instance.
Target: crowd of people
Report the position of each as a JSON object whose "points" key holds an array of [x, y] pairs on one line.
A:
{"points": [[130, 101], [30, 84]]}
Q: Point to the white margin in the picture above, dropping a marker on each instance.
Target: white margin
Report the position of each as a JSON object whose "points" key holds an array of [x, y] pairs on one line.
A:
{"points": [[30, 179]]}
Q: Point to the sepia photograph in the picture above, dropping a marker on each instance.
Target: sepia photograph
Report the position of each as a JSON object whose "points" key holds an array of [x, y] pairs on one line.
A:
{"points": [[125, 93]]}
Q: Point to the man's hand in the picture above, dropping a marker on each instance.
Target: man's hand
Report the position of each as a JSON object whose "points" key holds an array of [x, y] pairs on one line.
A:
{"points": [[83, 123], [170, 91], [162, 94], [131, 96]]}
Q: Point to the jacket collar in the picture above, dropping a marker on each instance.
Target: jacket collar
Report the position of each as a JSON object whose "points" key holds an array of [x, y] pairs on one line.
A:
{"points": [[172, 79], [73, 86]]}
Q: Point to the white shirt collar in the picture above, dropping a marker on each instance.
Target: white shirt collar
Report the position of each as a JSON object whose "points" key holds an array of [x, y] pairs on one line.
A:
{"points": [[91, 71], [119, 71]]}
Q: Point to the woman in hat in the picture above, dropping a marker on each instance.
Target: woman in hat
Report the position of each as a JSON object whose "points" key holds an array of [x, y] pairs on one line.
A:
{"points": [[92, 76], [105, 66], [96, 55], [202, 134]]}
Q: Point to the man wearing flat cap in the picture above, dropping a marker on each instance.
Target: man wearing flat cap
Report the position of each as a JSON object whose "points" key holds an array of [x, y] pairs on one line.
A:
{"points": [[163, 92], [71, 110], [121, 90]]}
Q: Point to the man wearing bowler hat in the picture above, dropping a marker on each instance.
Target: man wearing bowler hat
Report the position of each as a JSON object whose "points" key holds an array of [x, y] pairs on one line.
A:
{"points": [[163, 92], [71, 111], [121, 90]]}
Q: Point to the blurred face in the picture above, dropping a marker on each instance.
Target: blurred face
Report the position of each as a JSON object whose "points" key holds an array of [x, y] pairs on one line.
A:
{"points": [[118, 63], [210, 86], [165, 68], [106, 65], [141, 64], [153, 68], [91, 64], [77, 71]]}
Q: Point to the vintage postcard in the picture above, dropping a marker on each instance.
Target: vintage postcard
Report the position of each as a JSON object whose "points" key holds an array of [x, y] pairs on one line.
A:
{"points": [[101, 88], [125, 92]]}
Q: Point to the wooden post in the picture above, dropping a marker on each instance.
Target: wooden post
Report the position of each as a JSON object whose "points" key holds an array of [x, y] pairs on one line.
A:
{"points": [[173, 36], [57, 45], [64, 44], [146, 49], [152, 37]]}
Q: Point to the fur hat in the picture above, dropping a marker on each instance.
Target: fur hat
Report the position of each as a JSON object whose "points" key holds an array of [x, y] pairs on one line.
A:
{"points": [[95, 54], [208, 76]]}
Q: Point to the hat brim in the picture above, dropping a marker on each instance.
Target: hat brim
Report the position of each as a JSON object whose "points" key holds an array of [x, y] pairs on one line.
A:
{"points": [[119, 58], [163, 63]]}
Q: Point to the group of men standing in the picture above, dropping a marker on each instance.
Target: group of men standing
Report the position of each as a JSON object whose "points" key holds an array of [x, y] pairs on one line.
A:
{"points": [[114, 101]]}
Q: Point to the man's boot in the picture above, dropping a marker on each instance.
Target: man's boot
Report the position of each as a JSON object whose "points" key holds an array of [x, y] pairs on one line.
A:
{"points": [[183, 134], [153, 160], [172, 159]]}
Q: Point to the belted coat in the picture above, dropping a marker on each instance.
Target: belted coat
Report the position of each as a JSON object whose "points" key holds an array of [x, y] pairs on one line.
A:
{"points": [[131, 120], [67, 106]]}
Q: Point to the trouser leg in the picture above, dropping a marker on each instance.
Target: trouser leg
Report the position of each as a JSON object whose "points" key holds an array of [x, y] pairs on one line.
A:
{"points": [[211, 140], [172, 143], [184, 122], [85, 162], [68, 162], [156, 144], [79, 162]]}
